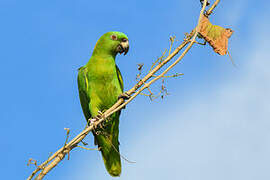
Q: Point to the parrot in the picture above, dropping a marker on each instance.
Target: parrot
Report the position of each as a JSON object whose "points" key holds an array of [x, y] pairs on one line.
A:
{"points": [[100, 85]]}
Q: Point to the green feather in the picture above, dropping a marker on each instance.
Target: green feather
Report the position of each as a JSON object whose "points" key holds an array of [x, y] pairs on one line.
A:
{"points": [[100, 83]]}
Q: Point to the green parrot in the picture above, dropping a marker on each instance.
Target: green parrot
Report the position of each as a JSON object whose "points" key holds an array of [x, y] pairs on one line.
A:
{"points": [[100, 85]]}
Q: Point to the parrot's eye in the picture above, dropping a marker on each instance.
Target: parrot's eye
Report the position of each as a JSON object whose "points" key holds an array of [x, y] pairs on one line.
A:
{"points": [[114, 37], [124, 40]]}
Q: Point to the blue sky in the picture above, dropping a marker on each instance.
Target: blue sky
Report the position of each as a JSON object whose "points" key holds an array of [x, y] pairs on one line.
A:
{"points": [[213, 125]]}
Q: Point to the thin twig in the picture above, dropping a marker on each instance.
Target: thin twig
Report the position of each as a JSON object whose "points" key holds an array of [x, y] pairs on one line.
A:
{"points": [[89, 149], [171, 76], [211, 9]]}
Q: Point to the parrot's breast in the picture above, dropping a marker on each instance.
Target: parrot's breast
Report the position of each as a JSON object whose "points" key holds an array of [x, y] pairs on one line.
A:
{"points": [[106, 89], [104, 85]]}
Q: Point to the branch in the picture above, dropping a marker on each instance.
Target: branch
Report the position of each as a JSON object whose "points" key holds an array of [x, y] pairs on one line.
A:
{"points": [[59, 155], [211, 9]]}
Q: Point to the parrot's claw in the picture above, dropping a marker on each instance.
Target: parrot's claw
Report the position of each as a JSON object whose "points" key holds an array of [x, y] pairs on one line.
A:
{"points": [[99, 117], [124, 95], [92, 122]]}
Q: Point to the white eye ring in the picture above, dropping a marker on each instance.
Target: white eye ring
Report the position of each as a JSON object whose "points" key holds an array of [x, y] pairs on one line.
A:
{"points": [[114, 37]]}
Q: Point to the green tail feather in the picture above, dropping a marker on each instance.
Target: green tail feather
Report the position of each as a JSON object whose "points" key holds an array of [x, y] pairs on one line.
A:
{"points": [[109, 148], [107, 141]]}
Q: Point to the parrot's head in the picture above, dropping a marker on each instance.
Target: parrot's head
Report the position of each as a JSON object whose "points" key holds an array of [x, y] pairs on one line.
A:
{"points": [[113, 42]]}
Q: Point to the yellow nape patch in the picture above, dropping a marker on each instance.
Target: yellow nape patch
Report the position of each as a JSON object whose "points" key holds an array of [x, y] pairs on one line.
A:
{"points": [[96, 45]]}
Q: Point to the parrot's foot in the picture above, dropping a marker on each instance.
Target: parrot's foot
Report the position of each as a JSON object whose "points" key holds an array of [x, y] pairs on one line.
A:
{"points": [[124, 95], [92, 121], [99, 117]]}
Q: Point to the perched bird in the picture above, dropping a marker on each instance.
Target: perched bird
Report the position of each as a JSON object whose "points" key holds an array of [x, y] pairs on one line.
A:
{"points": [[100, 85]]}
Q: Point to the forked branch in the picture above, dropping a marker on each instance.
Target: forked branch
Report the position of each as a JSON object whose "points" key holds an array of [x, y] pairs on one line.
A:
{"points": [[144, 83]]}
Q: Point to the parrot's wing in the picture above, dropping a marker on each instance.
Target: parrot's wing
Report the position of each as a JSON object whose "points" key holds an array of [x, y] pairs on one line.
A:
{"points": [[83, 89], [119, 75]]}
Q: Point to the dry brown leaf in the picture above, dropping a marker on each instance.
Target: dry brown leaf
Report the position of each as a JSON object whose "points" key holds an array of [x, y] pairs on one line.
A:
{"points": [[216, 36]]}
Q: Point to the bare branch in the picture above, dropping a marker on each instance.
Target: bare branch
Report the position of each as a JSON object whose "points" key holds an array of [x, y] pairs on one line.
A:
{"points": [[59, 155], [211, 9]]}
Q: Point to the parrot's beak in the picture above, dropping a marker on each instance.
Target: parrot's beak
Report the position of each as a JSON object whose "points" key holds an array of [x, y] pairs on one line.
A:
{"points": [[123, 47]]}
